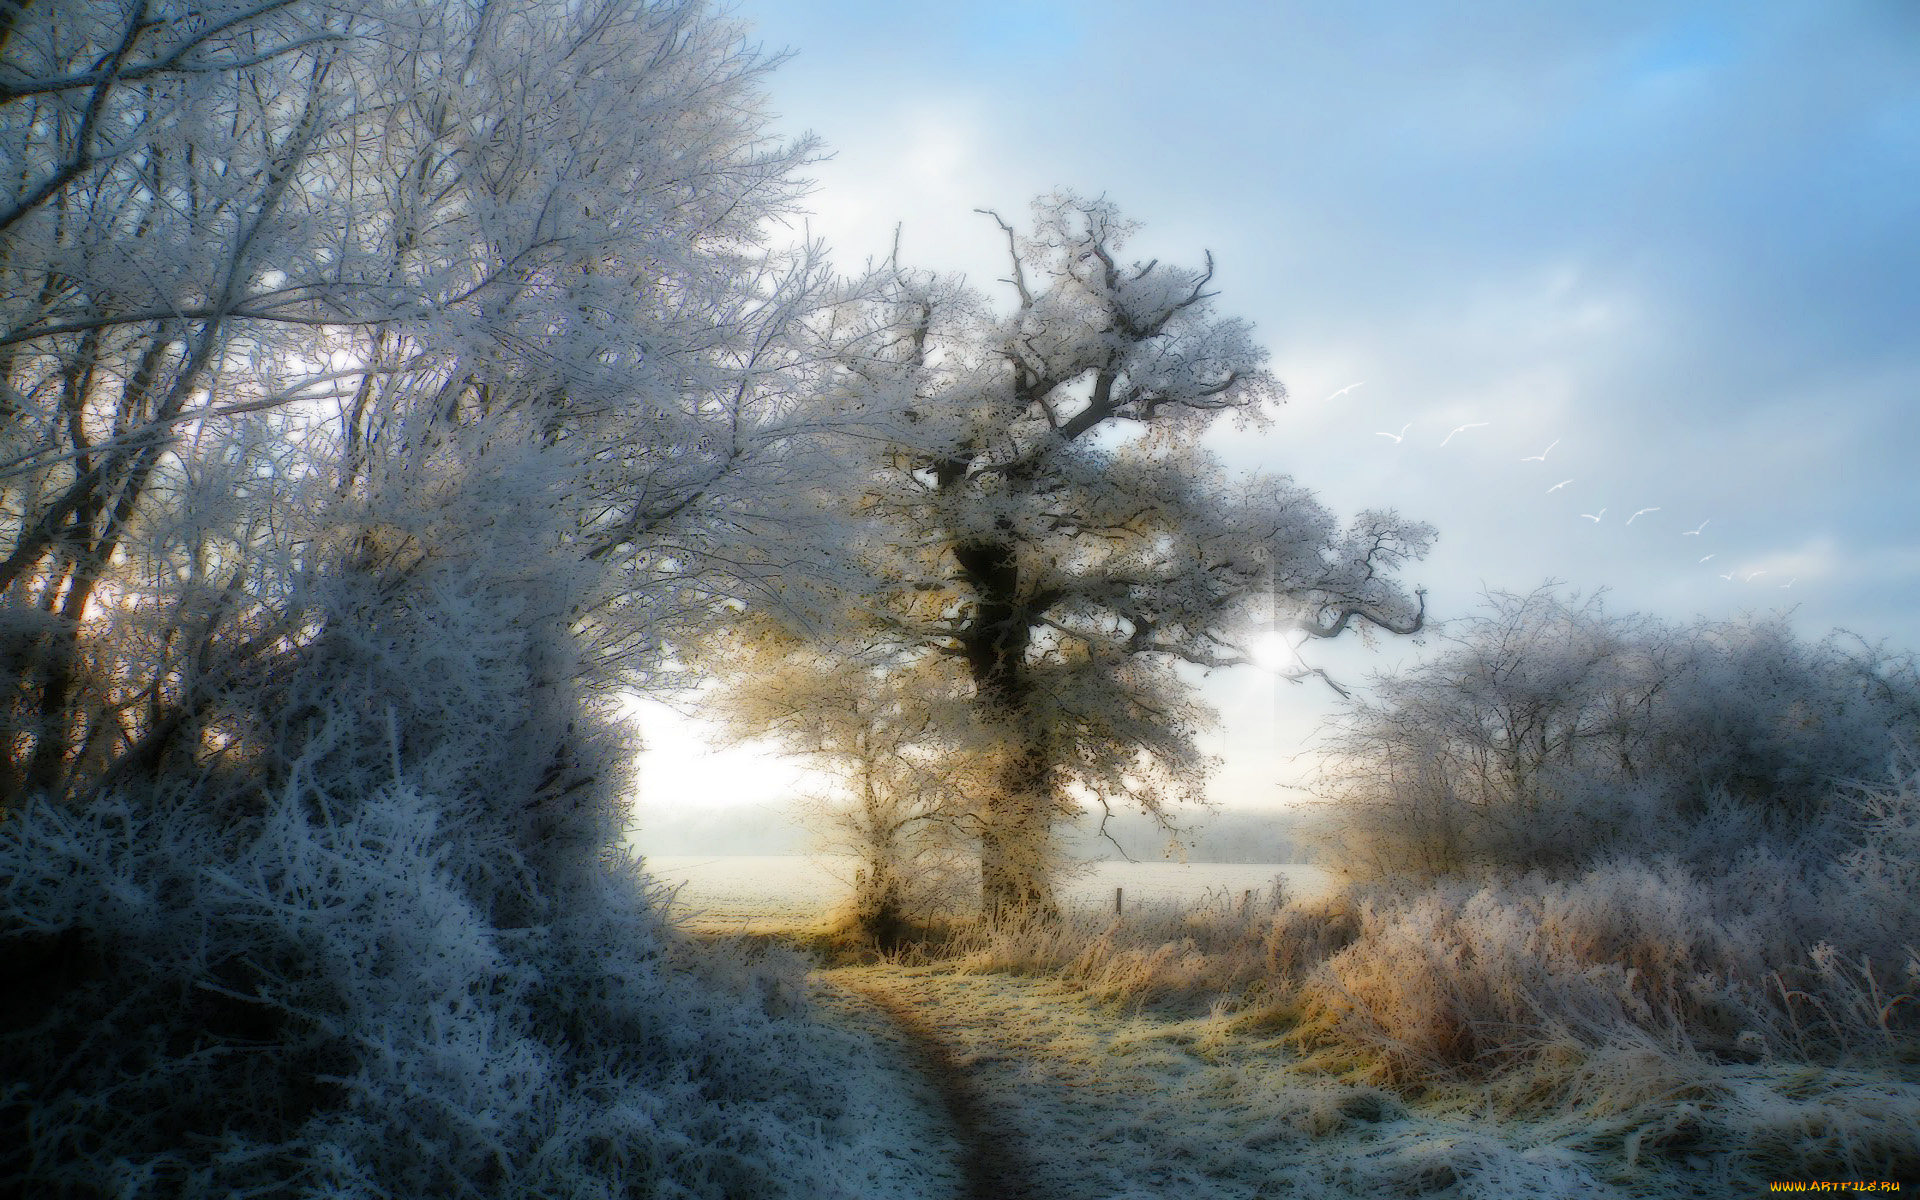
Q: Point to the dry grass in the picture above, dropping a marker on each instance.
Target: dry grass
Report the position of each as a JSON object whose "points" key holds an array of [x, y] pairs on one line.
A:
{"points": [[1157, 953], [1769, 1011]]}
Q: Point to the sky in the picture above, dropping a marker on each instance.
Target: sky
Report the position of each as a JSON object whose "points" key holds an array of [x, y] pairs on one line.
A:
{"points": [[1675, 242]]}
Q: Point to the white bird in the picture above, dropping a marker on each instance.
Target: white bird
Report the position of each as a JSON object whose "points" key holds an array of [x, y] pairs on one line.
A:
{"points": [[1397, 436], [1705, 559], [1752, 577], [1644, 510], [1696, 532], [1462, 429], [1728, 575], [1595, 517], [1542, 456], [1343, 391], [1556, 487], [1789, 583]]}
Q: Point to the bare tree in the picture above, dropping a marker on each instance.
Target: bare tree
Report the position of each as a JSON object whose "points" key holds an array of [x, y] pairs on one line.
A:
{"points": [[895, 738]]}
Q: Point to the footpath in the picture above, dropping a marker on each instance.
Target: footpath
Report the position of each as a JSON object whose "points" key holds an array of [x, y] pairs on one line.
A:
{"points": [[1041, 1093], [1048, 1096]]}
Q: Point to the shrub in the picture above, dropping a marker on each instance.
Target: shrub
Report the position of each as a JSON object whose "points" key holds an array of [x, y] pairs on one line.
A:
{"points": [[370, 940]]}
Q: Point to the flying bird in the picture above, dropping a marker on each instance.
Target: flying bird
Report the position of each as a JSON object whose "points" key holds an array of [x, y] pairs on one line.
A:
{"points": [[1705, 559], [1728, 575], [1696, 532], [1789, 583], [1462, 429], [1396, 436], [1542, 456], [1752, 577], [1644, 510], [1556, 487], [1343, 391], [1595, 517]]}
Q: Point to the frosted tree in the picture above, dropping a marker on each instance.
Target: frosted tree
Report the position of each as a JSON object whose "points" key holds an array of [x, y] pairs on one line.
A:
{"points": [[1047, 518], [384, 384], [579, 208], [473, 231], [894, 739], [152, 158], [1550, 733]]}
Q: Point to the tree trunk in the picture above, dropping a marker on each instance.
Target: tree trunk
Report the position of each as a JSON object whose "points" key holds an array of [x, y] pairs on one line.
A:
{"points": [[1017, 817], [1016, 839]]}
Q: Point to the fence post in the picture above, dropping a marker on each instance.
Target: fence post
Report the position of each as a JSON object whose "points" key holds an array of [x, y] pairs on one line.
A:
{"points": [[1116, 902]]}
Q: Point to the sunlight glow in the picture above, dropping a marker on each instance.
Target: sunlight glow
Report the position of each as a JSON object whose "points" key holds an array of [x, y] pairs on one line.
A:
{"points": [[684, 762], [1272, 651]]}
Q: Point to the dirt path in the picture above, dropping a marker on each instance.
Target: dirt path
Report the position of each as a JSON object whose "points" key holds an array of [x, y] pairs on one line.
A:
{"points": [[1022, 1087], [1046, 1098], [993, 1169]]}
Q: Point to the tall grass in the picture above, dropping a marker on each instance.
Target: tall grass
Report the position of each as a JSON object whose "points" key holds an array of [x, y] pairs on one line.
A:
{"points": [[1159, 952]]}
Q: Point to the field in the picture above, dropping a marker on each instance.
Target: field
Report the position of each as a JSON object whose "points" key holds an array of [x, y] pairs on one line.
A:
{"points": [[761, 893]]}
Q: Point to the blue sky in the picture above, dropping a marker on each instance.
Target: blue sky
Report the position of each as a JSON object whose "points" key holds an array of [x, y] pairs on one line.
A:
{"points": [[1678, 238]]}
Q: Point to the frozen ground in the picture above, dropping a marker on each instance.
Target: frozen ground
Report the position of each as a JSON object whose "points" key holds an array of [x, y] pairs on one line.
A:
{"points": [[1087, 1066], [763, 893], [1074, 1100], [902, 1143]]}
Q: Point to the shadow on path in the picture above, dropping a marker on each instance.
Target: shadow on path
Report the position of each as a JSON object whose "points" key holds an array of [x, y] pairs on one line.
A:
{"points": [[994, 1171]]}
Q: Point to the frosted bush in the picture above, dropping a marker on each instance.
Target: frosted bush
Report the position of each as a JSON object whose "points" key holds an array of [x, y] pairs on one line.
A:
{"points": [[1647, 1004], [318, 1006], [1872, 889], [1475, 977], [1554, 735], [307, 781], [372, 943]]}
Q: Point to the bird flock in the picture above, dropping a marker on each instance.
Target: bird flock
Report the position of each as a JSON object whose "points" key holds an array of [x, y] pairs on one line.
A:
{"points": [[1596, 517]]}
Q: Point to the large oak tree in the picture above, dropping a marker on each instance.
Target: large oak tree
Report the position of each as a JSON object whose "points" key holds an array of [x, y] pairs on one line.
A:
{"points": [[1044, 513]]}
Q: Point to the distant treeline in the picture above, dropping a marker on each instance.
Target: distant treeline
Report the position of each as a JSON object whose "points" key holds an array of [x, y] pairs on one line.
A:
{"points": [[746, 829], [1258, 836]]}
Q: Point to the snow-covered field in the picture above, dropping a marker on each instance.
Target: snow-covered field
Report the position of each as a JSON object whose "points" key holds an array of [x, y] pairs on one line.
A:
{"points": [[747, 891]]}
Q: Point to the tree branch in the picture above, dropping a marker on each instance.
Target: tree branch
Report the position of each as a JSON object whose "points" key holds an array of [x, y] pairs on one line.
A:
{"points": [[83, 158], [1019, 279], [1348, 612]]}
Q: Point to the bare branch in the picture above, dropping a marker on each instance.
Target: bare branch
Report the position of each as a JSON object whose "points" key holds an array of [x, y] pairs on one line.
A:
{"points": [[1346, 613], [1019, 280]]}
